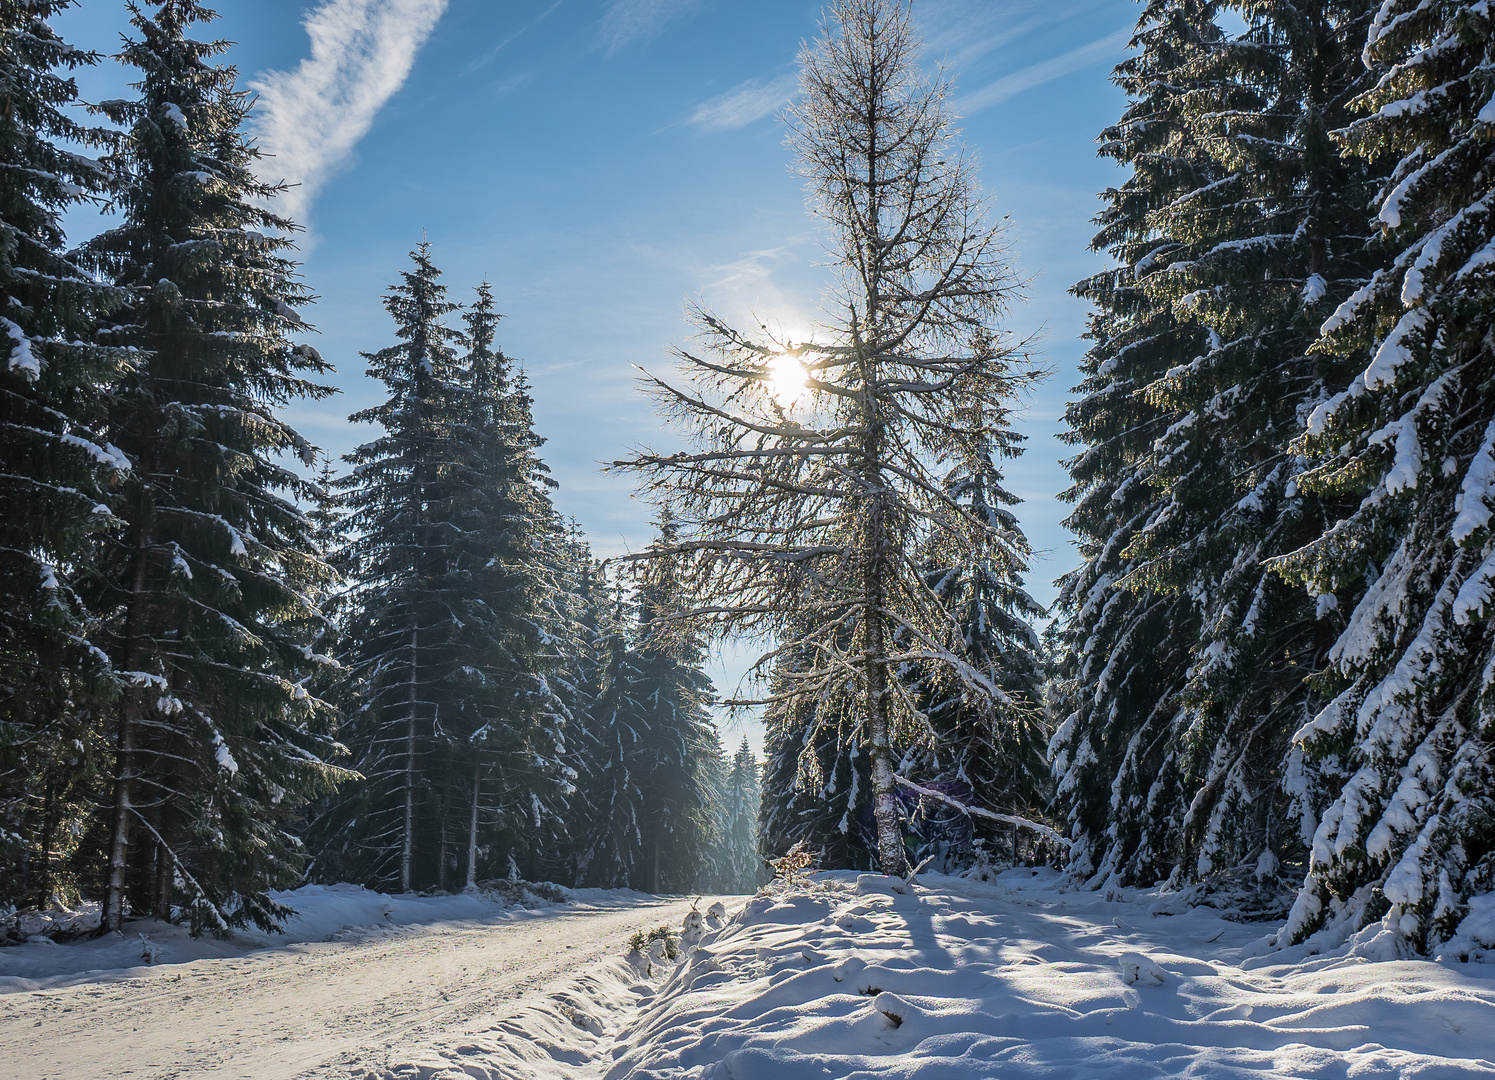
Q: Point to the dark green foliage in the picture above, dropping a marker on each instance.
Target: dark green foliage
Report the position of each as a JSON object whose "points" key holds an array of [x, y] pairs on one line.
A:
{"points": [[983, 743], [1236, 236], [738, 866], [651, 751], [458, 731], [206, 595], [1409, 442], [55, 465]]}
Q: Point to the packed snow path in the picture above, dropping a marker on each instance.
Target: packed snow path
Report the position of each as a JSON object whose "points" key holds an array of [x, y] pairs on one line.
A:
{"points": [[329, 1008]]}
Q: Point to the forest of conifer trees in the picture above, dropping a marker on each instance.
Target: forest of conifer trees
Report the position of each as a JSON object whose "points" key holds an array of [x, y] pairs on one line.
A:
{"points": [[231, 664]]}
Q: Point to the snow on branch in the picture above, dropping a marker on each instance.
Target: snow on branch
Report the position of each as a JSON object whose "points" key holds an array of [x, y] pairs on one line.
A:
{"points": [[976, 811]]}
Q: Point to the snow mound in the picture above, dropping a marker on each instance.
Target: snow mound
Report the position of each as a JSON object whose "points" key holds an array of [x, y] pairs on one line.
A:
{"points": [[956, 980], [1136, 968]]}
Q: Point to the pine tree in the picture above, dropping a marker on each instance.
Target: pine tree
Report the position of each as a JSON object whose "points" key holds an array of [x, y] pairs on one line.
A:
{"points": [[983, 749], [406, 593], [578, 622], [55, 466], [611, 850], [1125, 652], [1410, 439], [680, 746], [816, 776], [509, 733], [1255, 253], [741, 868], [207, 593], [459, 727], [648, 786]]}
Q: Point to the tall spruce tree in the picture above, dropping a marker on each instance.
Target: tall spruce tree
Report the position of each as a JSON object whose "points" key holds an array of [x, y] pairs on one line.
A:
{"points": [[55, 466], [816, 776], [740, 868], [1255, 255], [983, 749], [681, 745], [511, 732], [648, 787], [1125, 652], [610, 849], [1410, 438], [405, 593], [206, 594], [459, 729]]}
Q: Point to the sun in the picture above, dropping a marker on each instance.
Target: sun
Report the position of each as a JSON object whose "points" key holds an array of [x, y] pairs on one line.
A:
{"points": [[786, 379]]}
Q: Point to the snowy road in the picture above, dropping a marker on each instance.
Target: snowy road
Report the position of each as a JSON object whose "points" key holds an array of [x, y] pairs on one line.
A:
{"points": [[329, 1009]]}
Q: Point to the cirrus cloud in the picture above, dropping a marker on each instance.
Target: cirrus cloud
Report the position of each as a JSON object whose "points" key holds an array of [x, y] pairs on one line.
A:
{"points": [[308, 120]]}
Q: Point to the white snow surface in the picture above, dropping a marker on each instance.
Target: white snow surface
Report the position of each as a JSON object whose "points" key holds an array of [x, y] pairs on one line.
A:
{"points": [[952, 979], [356, 981], [322, 911], [854, 977]]}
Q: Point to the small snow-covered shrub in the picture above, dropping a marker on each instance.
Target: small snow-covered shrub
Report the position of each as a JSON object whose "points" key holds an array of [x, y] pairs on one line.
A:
{"points": [[519, 893], [640, 941]]}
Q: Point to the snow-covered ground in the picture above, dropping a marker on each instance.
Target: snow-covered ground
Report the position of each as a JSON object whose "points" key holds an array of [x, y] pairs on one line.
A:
{"points": [[357, 975], [839, 977], [844, 978]]}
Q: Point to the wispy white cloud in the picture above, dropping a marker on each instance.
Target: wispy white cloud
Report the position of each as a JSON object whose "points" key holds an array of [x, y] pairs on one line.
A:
{"points": [[1106, 48], [744, 103], [310, 119], [506, 42], [513, 82], [628, 22]]}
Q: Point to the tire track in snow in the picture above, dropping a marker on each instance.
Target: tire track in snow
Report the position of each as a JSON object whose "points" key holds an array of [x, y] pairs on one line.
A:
{"points": [[318, 1008]]}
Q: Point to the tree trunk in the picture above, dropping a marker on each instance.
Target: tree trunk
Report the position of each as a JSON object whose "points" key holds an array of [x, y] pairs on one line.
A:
{"points": [[113, 916], [407, 842], [119, 841], [37, 880], [890, 856], [472, 829], [165, 866], [446, 804]]}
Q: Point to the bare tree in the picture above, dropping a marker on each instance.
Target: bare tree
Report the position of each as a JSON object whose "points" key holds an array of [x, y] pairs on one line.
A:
{"points": [[813, 499]]}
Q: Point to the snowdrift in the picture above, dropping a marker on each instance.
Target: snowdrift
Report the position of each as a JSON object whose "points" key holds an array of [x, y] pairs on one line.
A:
{"points": [[844, 976]]}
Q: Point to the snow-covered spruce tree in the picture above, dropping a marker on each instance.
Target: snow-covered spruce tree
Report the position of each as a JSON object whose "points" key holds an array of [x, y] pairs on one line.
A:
{"points": [[54, 466], [681, 746], [506, 737], [804, 517], [457, 727], [1256, 254], [647, 786], [816, 777], [404, 592], [1265, 253], [1411, 437], [740, 867], [578, 623], [1124, 652], [206, 594], [981, 749], [610, 851]]}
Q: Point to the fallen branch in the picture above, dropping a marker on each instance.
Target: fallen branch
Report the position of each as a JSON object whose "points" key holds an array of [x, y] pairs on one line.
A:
{"points": [[976, 811]]}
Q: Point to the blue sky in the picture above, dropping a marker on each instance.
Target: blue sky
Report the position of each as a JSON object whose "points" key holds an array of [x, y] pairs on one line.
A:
{"points": [[602, 161]]}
